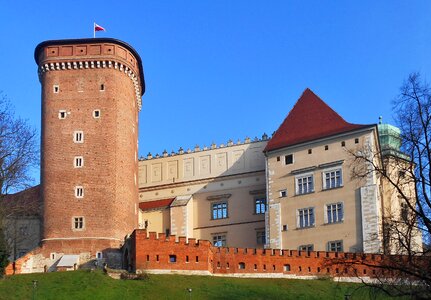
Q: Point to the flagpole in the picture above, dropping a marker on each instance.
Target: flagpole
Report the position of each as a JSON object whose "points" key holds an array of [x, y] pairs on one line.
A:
{"points": [[94, 29]]}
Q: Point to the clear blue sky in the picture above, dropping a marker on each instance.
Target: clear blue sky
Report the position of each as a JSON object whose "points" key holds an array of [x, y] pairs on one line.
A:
{"points": [[220, 70]]}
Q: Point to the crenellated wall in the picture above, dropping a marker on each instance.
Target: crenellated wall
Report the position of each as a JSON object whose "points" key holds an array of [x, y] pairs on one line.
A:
{"points": [[157, 253]]}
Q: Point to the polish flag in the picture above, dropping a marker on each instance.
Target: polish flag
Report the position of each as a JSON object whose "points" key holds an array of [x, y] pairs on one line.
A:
{"points": [[98, 28]]}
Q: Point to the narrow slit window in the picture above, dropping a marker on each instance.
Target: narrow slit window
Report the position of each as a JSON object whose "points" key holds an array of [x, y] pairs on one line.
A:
{"points": [[78, 136], [56, 88], [62, 114], [102, 87], [79, 192], [79, 162], [96, 113]]}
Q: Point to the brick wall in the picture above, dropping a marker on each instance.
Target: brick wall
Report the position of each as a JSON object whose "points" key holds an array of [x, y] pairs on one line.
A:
{"points": [[156, 253]]}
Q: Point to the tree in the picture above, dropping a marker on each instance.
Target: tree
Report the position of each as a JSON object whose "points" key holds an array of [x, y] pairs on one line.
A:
{"points": [[403, 168], [18, 153]]}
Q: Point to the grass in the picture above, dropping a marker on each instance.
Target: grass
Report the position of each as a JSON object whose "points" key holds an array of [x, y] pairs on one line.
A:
{"points": [[96, 285]]}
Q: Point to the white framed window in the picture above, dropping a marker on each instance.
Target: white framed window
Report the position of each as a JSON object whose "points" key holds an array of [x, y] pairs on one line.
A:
{"points": [[62, 114], [332, 178], [78, 223], [308, 248], [261, 237], [52, 255], [219, 240], [78, 136], [288, 159], [304, 184], [259, 205], [334, 213], [78, 162], [283, 193], [56, 88], [99, 255], [79, 191], [96, 113], [305, 217], [219, 210], [335, 246]]}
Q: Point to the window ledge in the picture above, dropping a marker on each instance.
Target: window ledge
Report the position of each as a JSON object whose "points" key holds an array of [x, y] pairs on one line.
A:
{"points": [[219, 219], [333, 223], [304, 228], [304, 194], [334, 188]]}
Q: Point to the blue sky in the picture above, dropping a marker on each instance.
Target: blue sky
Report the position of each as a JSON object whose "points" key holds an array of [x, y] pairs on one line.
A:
{"points": [[220, 70]]}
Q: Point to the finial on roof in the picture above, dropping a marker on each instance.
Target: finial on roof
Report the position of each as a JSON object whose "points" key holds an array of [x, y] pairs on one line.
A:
{"points": [[247, 140], [229, 143], [181, 150], [165, 153], [149, 155], [264, 136], [213, 145]]}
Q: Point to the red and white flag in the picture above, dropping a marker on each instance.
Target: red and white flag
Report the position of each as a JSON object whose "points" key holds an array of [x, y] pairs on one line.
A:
{"points": [[98, 28]]}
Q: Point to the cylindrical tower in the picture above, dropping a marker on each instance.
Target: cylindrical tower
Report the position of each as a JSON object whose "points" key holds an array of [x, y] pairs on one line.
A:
{"points": [[91, 96]]}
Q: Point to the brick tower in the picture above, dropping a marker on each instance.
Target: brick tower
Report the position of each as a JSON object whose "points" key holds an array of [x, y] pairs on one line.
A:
{"points": [[91, 96]]}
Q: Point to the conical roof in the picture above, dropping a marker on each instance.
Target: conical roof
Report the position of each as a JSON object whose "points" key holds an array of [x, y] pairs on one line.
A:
{"points": [[310, 119]]}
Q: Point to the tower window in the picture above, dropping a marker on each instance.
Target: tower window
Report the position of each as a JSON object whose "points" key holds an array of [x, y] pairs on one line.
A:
{"points": [[310, 151], [102, 87], [78, 136], [79, 192], [326, 147], [96, 113], [343, 144], [62, 114], [56, 88], [78, 162], [78, 223], [356, 141]]}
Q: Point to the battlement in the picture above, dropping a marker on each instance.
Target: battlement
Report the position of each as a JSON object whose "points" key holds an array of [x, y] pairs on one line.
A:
{"points": [[156, 252], [197, 148]]}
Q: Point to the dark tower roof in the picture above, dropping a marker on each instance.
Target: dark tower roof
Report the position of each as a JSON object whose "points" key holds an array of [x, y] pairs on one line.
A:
{"points": [[310, 119], [93, 41]]}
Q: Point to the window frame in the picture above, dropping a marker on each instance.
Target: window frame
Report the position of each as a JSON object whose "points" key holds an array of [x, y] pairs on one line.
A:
{"points": [[306, 218], [286, 159], [258, 206], [77, 140], [217, 209], [306, 247], [76, 220], [261, 237], [283, 193], [219, 237], [338, 246], [78, 161], [330, 214], [301, 177], [79, 195], [62, 114], [337, 183]]}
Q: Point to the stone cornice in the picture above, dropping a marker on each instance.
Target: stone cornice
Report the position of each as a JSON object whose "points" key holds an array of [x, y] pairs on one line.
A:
{"points": [[94, 64]]}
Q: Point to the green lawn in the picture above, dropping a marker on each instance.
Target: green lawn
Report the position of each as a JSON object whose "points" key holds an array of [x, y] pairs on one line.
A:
{"points": [[96, 285]]}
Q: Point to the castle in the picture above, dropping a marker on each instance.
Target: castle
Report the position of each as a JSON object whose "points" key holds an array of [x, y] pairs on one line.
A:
{"points": [[294, 190]]}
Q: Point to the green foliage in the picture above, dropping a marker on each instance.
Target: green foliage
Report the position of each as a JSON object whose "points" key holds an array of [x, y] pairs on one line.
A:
{"points": [[96, 285]]}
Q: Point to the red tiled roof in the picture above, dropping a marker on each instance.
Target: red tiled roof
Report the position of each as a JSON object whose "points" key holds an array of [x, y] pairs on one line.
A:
{"points": [[155, 204], [27, 202], [309, 119]]}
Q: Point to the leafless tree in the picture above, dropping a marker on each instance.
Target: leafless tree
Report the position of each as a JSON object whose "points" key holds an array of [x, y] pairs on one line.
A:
{"points": [[405, 178], [18, 154]]}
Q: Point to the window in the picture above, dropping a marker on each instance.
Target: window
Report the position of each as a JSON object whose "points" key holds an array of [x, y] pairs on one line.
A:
{"points": [[306, 217], [304, 184], [219, 240], [56, 88], [78, 223], [62, 114], [356, 141], [79, 192], [52, 255], [283, 193], [241, 266], [79, 162], [78, 136], [307, 248], [334, 213], [278, 158], [96, 113], [288, 159], [332, 179], [219, 210], [99, 255], [310, 151], [343, 144], [172, 258], [285, 227], [259, 205], [261, 237], [404, 212], [326, 147], [102, 87], [335, 246], [286, 268]]}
